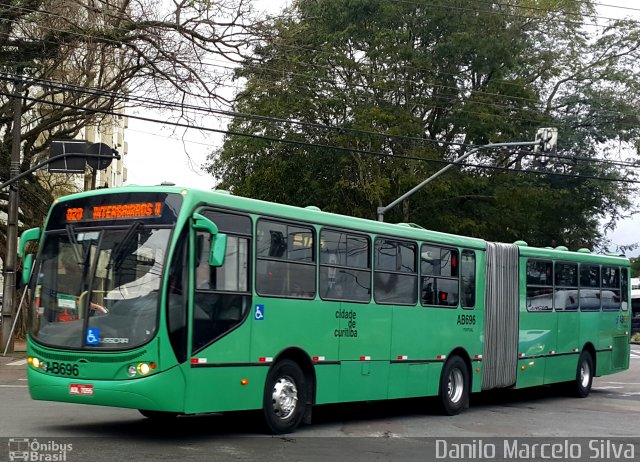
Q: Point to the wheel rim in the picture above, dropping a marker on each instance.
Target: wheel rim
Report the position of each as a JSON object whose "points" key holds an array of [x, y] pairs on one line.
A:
{"points": [[455, 385], [284, 397], [585, 374]]}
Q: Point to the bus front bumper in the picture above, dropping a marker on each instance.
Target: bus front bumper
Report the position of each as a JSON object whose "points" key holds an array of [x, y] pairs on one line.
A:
{"points": [[162, 391]]}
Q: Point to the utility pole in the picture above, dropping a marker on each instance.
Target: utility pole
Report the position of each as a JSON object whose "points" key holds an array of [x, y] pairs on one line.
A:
{"points": [[10, 260]]}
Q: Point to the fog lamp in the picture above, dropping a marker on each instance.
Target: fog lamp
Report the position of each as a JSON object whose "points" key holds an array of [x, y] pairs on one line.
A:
{"points": [[132, 371]]}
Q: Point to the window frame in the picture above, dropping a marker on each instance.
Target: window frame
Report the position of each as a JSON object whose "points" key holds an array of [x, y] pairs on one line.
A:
{"points": [[415, 274], [475, 278], [598, 289], [286, 260], [448, 278], [369, 269], [557, 287], [527, 285], [248, 293], [603, 288]]}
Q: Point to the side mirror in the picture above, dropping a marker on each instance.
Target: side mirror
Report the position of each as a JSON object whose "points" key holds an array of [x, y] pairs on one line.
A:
{"points": [[27, 236], [218, 250], [27, 267], [218, 241]]}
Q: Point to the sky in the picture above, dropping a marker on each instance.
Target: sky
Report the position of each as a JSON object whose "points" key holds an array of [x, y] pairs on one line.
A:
{"points": [[159, 153]]}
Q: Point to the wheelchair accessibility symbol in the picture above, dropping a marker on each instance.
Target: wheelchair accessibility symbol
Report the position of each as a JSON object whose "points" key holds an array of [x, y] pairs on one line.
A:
{"points": [[93, 336], [258, 315]]}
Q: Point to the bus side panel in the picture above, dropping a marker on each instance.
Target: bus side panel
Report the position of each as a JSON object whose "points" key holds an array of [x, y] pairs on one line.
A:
{"points": [[307, 325], [412, 336], [589, 332], [477, 346], [327, 380], [535, 338], [218, 389], [212, 387], [614, 337], [561, 367], [365, 341]]}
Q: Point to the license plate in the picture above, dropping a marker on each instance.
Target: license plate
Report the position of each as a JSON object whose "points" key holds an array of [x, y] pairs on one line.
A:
{"points": [[80, 389]]}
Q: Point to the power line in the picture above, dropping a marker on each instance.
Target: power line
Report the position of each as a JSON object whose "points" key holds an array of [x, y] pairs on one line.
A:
{"points": [[234, 114], [479, 92], [340, 148], [293, 47]]}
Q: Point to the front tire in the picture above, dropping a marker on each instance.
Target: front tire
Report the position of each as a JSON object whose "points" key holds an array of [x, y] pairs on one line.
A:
{"points": [[284, 397], [584, 375], [454, 386]]}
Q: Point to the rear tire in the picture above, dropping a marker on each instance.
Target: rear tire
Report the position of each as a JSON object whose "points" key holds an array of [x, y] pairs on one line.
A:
{"points": [[285, 395], [454, 386], [584, 376], [158, 415]]}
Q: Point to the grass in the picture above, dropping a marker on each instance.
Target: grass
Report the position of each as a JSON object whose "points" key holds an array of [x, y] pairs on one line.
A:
{"points": [[635, 337]]}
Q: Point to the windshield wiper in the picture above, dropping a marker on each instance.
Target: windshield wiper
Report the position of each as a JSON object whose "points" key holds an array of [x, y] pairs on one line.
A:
{"points": [[119, 250]]}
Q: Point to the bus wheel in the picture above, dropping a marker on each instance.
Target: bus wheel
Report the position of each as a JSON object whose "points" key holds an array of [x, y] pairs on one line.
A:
{"points": [[158, 415], [284, 397], [584, 375], [454, 386]]}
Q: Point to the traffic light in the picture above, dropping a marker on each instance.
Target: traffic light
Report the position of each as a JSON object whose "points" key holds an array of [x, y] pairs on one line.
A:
{"points": [[547, 141]]}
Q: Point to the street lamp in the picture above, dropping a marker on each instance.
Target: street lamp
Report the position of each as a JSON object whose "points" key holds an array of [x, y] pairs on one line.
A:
{"points": [[546, 141]]}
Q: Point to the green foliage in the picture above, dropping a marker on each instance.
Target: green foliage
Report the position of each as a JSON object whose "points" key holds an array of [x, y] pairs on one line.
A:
{"points": [[635, 267], [439, 70]]}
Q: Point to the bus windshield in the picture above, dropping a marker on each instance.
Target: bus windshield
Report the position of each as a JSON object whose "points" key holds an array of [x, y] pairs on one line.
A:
{"points": [[99, 288]]}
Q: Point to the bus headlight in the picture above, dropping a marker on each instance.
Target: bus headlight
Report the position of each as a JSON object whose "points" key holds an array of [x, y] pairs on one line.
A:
{"points": [[35, 362], [144, 368]]}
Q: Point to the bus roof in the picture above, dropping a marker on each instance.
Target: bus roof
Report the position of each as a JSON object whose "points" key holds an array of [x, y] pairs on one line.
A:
{"points": [[312, 214]]}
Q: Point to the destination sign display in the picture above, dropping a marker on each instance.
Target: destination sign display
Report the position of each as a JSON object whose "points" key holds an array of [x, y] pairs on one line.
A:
{"points": [[115, 211], [112, 209]]}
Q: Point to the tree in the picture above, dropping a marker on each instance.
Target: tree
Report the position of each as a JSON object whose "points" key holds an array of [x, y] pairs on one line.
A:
{"points": [[404, 80], [635, 267], [81, 60]]}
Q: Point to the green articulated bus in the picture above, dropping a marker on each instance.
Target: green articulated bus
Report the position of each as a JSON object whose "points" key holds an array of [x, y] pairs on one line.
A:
{"points": [[175, 301]]}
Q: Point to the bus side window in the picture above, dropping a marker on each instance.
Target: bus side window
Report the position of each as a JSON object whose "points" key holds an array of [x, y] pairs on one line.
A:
{"points": [[345, 269], [177, 300], [439, 276], [589, 288], [539, 285], [610, 295], [566, 286], [285, 260], [624, 283], [395, 276], [468, 279]]}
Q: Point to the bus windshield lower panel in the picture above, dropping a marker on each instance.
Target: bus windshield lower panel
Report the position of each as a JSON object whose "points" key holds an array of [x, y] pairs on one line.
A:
{"points": [[99, 290]]}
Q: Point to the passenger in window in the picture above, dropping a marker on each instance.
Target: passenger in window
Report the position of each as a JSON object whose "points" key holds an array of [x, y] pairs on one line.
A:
{"points": [[337, 292], [428, 295], [203, 277]]}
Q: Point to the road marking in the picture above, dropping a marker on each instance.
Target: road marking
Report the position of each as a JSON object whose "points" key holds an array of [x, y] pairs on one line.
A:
{"points": [[13, 386], [635, 355], [617, 383], [20, 362], [605, 388]]}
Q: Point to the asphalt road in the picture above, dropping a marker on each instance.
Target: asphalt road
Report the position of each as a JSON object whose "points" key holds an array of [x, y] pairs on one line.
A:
{"points": [[378, 431]]}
